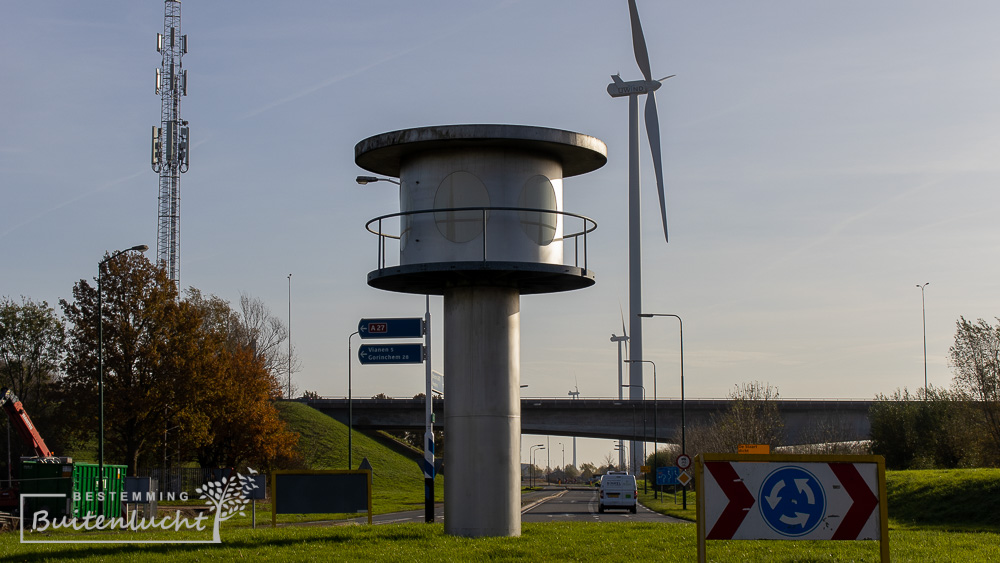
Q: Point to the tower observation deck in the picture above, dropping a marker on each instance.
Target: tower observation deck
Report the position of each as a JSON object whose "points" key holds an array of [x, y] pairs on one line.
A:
{"points": [[481, 222]]}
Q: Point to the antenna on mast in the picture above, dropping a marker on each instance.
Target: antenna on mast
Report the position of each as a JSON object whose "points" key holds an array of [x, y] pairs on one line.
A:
{"points": [[171, 139]]}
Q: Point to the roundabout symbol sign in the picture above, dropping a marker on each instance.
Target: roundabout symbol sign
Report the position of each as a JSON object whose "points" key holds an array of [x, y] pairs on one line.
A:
{"points": [[793, 501]]}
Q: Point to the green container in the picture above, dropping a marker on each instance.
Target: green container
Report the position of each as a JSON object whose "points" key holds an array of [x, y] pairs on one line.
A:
{"points": [[78, 484]]}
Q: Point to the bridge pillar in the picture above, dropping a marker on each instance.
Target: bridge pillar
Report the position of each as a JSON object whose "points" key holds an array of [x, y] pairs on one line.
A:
{"points": [[483, 412]]}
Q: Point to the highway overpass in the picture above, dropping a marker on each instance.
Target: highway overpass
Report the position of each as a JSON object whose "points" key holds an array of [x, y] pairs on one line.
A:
{"points": [[806, 420]]}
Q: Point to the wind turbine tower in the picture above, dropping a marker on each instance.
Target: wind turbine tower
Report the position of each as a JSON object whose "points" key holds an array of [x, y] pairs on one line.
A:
{"points": [[633, 89], [171, 145]]}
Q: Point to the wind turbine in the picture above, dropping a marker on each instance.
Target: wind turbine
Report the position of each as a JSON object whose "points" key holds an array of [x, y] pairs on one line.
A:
{"points": [[633, 89], [621, 340]]}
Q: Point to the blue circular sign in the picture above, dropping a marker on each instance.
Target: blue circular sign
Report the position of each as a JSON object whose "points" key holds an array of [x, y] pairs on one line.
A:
{"points": [[792, 501]]}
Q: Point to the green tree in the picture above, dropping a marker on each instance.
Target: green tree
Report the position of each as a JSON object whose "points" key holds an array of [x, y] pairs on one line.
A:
{"points": [[31, 347], [933, 430], [975, 357], [752, 418], [155, 356], [237, 394], [265, 335], [571, 471]]}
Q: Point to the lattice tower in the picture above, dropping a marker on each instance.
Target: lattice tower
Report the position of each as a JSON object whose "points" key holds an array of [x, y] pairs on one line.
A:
{"points": [[170, 151]]}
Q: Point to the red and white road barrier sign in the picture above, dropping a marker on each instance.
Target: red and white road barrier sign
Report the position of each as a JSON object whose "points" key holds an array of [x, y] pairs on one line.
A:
{"points": [[791, 497]]}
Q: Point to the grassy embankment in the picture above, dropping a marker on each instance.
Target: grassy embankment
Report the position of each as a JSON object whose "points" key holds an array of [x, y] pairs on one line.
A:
{"points": [[397, 481], [934, 516], [941, 499]]}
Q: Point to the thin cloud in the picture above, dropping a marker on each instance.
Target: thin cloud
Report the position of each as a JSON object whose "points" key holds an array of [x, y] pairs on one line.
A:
{"points": [[70, 201], [350, 74]]}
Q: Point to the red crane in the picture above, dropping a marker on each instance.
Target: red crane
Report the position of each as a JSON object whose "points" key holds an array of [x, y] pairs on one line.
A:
{"points": [[19, 419], [22, 422]]}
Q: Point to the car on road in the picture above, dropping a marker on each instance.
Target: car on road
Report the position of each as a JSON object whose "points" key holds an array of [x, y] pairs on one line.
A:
{"points": [[618, 490]]}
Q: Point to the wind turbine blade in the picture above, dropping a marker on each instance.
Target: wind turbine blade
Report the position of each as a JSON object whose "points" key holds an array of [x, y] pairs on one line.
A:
{"points": [[639, 41], [653, 132]]}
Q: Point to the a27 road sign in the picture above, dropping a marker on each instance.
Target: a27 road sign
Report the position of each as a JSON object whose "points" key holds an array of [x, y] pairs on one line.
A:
{"points": [[391, 328]]}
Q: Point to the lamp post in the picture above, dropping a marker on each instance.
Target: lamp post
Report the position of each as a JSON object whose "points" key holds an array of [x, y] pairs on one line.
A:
{"points": [[620, 340], [683, 425], [350, 406], [289, 394], [575, 395], [100, 366], [644, 435], [923, 314], [531, 460], [654, 417], [548, 463], [563, 455], [363, 180]]}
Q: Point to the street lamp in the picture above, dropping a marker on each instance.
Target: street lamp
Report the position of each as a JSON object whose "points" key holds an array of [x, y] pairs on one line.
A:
{"points": [[350, 406], [531, 459], [654, 416], [100, 365], [923, 314], [363, 180], [683, 425]]}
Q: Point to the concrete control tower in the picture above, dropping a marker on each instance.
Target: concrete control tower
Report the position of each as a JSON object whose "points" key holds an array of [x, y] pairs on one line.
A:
{"points": [[481, 222]]}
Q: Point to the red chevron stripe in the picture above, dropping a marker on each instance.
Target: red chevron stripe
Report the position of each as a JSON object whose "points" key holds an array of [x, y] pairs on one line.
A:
{"points": [[740, 500], [864, 499]]}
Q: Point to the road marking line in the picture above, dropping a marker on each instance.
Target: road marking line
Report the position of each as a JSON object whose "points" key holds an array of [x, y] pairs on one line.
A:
{"points": [[548, 498]]}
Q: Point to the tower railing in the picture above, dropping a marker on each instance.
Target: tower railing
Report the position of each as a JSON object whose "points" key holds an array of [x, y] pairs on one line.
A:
{"points": [[587, 225]]}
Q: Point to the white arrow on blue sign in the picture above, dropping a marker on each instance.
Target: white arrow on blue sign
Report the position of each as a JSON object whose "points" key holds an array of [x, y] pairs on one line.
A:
{"points": [[391, 328], [391, 353], [668, 475]]}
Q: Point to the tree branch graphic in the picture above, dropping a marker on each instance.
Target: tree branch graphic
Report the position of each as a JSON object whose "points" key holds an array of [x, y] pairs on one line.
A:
{"points": [[227, 498]]}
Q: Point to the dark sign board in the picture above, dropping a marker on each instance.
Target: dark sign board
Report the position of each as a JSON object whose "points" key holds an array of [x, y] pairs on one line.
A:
{"points": [[391, 328], [391, 353], [321, 492]]}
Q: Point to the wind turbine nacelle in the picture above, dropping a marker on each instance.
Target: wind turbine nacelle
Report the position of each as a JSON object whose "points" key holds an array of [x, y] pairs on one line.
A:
{"points": [[619, 88]]}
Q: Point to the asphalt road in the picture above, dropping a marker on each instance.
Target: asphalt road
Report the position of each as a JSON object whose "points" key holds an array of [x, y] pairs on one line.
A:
{"points": [[580, 505], [545, 505]]}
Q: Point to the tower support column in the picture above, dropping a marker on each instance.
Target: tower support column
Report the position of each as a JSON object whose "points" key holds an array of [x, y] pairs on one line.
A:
{"points": [[483, 412]]}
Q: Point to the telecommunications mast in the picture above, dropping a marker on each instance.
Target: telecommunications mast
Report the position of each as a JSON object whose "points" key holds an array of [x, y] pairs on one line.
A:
{"points": [[171, 145]]}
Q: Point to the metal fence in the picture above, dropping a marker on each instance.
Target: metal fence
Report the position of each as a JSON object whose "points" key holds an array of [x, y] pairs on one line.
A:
{"points": [[177, 480]]}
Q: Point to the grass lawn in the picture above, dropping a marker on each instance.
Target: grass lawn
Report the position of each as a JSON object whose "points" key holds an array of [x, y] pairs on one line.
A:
{"points": [[934, 516], [588, 541], [397, 481]]}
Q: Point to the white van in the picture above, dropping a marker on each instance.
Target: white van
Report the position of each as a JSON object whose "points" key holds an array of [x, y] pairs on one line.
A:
{"points": [[618, 490]]}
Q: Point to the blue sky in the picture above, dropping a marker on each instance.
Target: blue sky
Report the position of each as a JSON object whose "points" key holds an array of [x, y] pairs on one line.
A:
{"points": [[821, 159]]}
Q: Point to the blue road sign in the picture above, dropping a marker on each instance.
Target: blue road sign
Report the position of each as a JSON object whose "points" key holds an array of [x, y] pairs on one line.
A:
{"points": [[391, 353], [668, 475], [391, 328], [792, 501]]}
